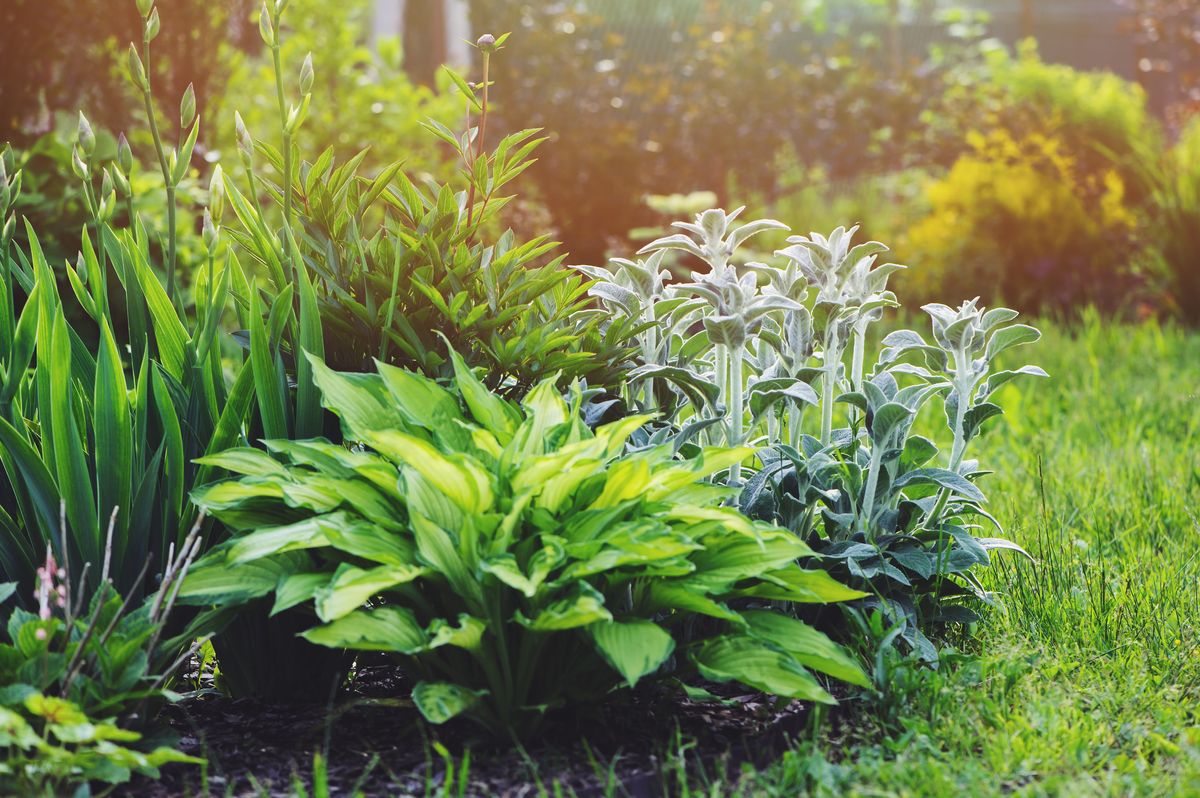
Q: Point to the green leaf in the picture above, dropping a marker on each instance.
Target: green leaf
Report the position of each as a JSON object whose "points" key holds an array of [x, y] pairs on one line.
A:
{"points": [[1007, 337], [268, 383], [361, 401], [458, 477], [493, 413], [438, 702], [383, 629], [760, 665], [352, 587], [634, 649], [942, 478], [112, 426], [808, 646], [585, 606], [801, 585]]}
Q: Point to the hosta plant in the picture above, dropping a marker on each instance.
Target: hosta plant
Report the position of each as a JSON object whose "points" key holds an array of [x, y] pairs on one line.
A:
{"points": [[744, 350], [515, 559]]}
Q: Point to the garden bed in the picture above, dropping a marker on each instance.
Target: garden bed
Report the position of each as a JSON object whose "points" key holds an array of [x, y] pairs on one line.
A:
{"points": [[633, 745]]}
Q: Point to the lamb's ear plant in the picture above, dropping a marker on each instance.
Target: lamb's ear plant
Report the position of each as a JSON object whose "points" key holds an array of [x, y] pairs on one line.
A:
{"points": [[868, 495], [513, 558]]}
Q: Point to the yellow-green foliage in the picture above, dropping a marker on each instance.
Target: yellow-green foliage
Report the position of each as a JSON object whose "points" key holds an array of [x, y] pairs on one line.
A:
{"points": [[1023, 218]]}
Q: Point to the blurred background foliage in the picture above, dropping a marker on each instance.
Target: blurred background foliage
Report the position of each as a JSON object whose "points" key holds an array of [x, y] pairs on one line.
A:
{"points": [[936, 124]]}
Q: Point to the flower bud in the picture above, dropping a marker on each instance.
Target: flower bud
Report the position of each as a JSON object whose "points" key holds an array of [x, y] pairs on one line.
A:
{"points": [[77, 165], [216, 194], [306, 75], [187, 107], [210, 232], [124, 154], [87, 139], [9, 158], [245, 143], [10, 227], [152, 27], [137, 72], [106, 183], [266, 26], [121, 183], [144, 6], [486, 43], [5, 191]]}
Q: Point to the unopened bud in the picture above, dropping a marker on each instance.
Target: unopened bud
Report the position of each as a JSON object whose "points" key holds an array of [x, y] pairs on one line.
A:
{"points": [[87, 139], [106, 183], [144, 6], [486, 43], [121, 182], [210, 232], [306, 75], [187, 107], [153, 25], [137, 72], [77, 165], [245, 143], [124, 155], [216, 194], [266, 27]]}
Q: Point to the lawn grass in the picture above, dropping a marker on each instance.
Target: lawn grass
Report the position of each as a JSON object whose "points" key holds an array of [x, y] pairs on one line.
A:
{"points": [[1086, 681]]}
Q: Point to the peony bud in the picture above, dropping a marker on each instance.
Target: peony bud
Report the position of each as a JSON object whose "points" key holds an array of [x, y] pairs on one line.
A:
{"points": [[486, 43]]}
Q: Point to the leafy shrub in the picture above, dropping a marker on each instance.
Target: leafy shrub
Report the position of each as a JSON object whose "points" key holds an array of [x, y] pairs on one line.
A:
{"points": [[392, 265], [78, 674], [515, 558], [732, 362], [1025, 217], [732, 84]]}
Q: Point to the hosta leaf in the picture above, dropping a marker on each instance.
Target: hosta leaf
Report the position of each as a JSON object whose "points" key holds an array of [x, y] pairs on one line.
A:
{"points": [[459, 477], [306, 534], [351, 587], [212, 581], [584, 607], [676, 596], [360, 400], [722, 564], [382, 629], [438, 702], [760, 665], [296, 589], [803, 586], [245, 461], [634, 649], [466, 634], [504, 567], [808, 646]]}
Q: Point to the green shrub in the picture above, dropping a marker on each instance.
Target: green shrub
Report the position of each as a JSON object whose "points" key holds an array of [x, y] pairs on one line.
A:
{"points": [[730, 362], [514, 558], [1028, 218]]}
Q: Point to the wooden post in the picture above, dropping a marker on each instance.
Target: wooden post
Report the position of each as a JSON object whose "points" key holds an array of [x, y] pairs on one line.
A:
{"points": [[424, 38], [1028, 26]]}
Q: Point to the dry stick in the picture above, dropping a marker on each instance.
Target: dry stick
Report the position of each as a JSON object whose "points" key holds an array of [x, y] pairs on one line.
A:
{"points": [[125, 602], [112, 522], [76, 661]]}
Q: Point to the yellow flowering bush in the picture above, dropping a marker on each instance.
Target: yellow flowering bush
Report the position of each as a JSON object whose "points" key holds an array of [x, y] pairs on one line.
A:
{"points": [[1021, 215]]}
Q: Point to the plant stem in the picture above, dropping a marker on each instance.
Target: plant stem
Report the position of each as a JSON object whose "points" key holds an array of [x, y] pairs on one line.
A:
{"points": [[168, 178], [483, 113], [856, 363], [736, 410], [868, 505], [286, 183], [650, 356]]}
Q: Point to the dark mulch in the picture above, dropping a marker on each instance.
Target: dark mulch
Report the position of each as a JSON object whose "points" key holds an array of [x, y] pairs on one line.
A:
{"points": [[634, 741]]}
